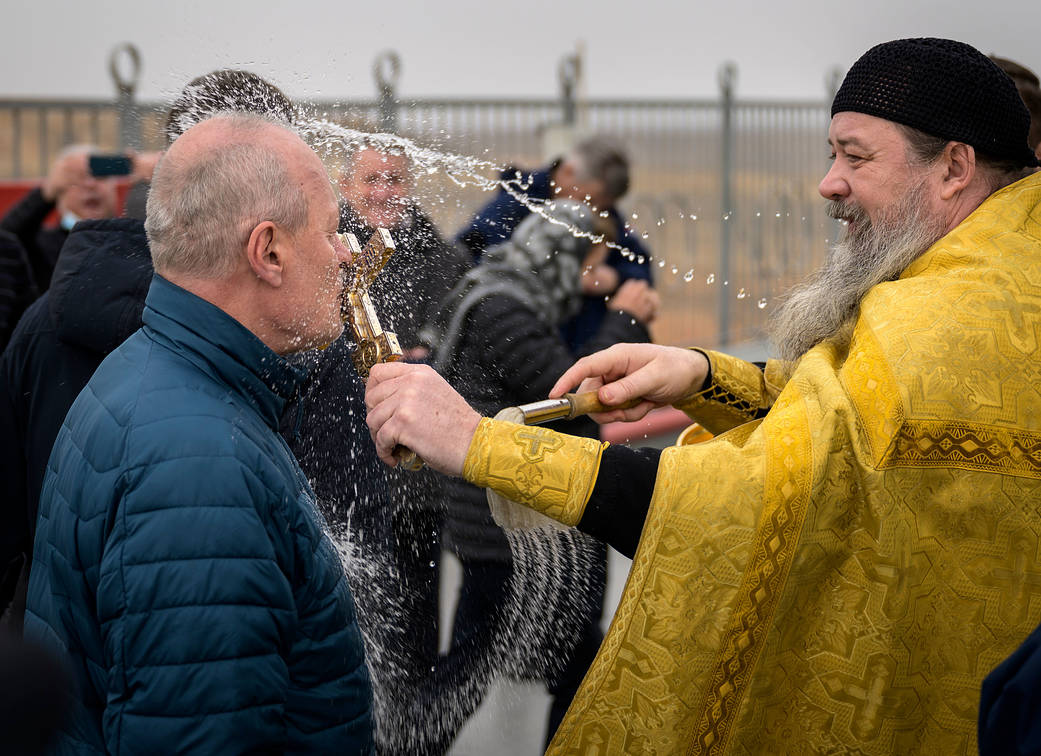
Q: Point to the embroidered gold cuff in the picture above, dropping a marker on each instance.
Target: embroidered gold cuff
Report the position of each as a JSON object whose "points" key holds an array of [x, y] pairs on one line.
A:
{"points": [[737, 392], [548, 471]]}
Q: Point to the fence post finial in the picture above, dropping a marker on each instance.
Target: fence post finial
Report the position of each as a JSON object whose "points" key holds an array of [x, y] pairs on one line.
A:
{"points": [[129, 122]]}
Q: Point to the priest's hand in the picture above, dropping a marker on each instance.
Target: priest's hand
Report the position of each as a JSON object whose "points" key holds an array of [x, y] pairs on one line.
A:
{"points": [[661, 375], [413, 406]]}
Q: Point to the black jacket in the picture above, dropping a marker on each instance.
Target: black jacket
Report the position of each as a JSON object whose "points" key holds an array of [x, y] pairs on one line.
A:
{"points": [[16, 286], [508, 356], [25, 220], [422, 270], [94, 303]]}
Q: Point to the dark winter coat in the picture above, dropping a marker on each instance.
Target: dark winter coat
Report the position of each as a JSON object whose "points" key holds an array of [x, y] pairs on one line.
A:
{"points": [[420, 272], [509, 356], [42, 244], [16, 286], [497, 220], [93, 305], [1009, 703], [179, 559]]}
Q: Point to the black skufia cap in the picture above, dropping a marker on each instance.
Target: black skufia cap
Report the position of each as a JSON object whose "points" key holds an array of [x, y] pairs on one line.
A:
{"points": [[945, 88]]}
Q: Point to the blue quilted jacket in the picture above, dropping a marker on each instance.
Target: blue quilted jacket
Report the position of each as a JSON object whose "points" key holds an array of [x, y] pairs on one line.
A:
{"points": [[180, 563]]}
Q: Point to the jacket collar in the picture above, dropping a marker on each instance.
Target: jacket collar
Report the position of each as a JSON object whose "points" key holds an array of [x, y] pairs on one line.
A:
{"points": [[221, 346]]}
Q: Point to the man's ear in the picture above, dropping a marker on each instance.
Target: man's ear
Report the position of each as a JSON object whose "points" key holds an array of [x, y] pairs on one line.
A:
{"points": [[959, 161], [265, 253]]}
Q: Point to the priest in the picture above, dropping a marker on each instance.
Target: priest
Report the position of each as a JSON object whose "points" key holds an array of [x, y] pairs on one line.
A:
{"points": [[839, 569]]}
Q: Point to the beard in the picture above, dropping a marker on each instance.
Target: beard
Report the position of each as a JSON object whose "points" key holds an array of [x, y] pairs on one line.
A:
{"points": [[867, 254]]}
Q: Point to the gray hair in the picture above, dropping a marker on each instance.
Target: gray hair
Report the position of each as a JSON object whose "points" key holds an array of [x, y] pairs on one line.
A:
{"points": [[201, 211], [926, 149], [603, 159]]}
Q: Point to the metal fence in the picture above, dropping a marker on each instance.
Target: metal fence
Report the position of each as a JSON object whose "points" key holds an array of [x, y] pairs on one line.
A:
{"points": [[723, 191]]}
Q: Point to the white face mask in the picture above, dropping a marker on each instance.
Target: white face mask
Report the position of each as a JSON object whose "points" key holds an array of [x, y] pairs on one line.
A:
{"points": [[68, 220]]}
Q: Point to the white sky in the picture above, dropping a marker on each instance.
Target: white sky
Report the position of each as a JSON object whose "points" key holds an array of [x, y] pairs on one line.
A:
{"points": [[647, 48]]}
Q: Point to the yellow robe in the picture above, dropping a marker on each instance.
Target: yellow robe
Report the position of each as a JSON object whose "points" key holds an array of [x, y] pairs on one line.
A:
{"points": [[840, 576]]}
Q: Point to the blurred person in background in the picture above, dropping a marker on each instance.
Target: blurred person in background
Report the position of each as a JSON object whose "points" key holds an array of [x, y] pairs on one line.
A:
{"points": [[378, 188], [76, 194], [497, 339], [94, 304], [595, 171], [390, 518], [180, 564]]}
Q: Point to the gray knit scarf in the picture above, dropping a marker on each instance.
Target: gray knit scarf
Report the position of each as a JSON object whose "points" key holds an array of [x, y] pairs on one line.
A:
{"points": [[540, 266]]}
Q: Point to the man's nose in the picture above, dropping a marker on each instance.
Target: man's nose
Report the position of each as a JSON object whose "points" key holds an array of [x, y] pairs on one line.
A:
{"points": [[342, 249], [834, 185]]}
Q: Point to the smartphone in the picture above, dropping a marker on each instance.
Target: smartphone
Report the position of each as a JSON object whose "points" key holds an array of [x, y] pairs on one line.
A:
{"points": [[111, 165]]}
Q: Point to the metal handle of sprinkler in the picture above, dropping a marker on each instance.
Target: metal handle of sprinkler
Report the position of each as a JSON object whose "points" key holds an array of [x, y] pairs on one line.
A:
{"points": [[567, 407], [373, 344]]}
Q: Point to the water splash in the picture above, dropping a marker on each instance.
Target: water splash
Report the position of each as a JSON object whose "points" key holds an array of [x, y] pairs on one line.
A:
{"points": [[327, 137]]}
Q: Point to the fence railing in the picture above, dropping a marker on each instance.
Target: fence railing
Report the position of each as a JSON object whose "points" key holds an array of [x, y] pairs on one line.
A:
{"points": [[723, 191]]}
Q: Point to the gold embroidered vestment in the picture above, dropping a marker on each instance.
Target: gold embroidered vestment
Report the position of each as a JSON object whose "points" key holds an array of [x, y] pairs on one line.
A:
{"points": [[840, 576]]}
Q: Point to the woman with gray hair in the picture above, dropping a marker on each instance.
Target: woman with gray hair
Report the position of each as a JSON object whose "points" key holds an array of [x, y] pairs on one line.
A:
{"points": [[497, 340]]}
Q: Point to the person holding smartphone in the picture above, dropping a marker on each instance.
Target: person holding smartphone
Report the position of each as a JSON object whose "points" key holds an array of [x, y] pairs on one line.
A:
{"points": [[76, 193]]}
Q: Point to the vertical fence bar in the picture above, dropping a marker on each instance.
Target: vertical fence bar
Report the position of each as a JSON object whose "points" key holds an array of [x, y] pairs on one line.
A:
{"points": [[727, 81], [16, 140], [386, 69]]}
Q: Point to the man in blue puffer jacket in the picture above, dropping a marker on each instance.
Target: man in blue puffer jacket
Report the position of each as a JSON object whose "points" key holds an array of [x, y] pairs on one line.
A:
{"points": [[180, 564]]}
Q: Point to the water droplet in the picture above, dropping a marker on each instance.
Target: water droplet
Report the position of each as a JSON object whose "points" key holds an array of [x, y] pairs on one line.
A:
{"points": [[741, 293], [433, 563], [675, 270], [758, 214], [711, 278], [761, 303], [644, 235], [604, 214], [689, 275], [777, 215], [661, 263], [693, 217], [635, 216]]}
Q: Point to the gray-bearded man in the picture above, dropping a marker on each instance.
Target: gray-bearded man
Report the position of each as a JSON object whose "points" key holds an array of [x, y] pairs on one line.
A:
{"points": [[841, 567]]}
